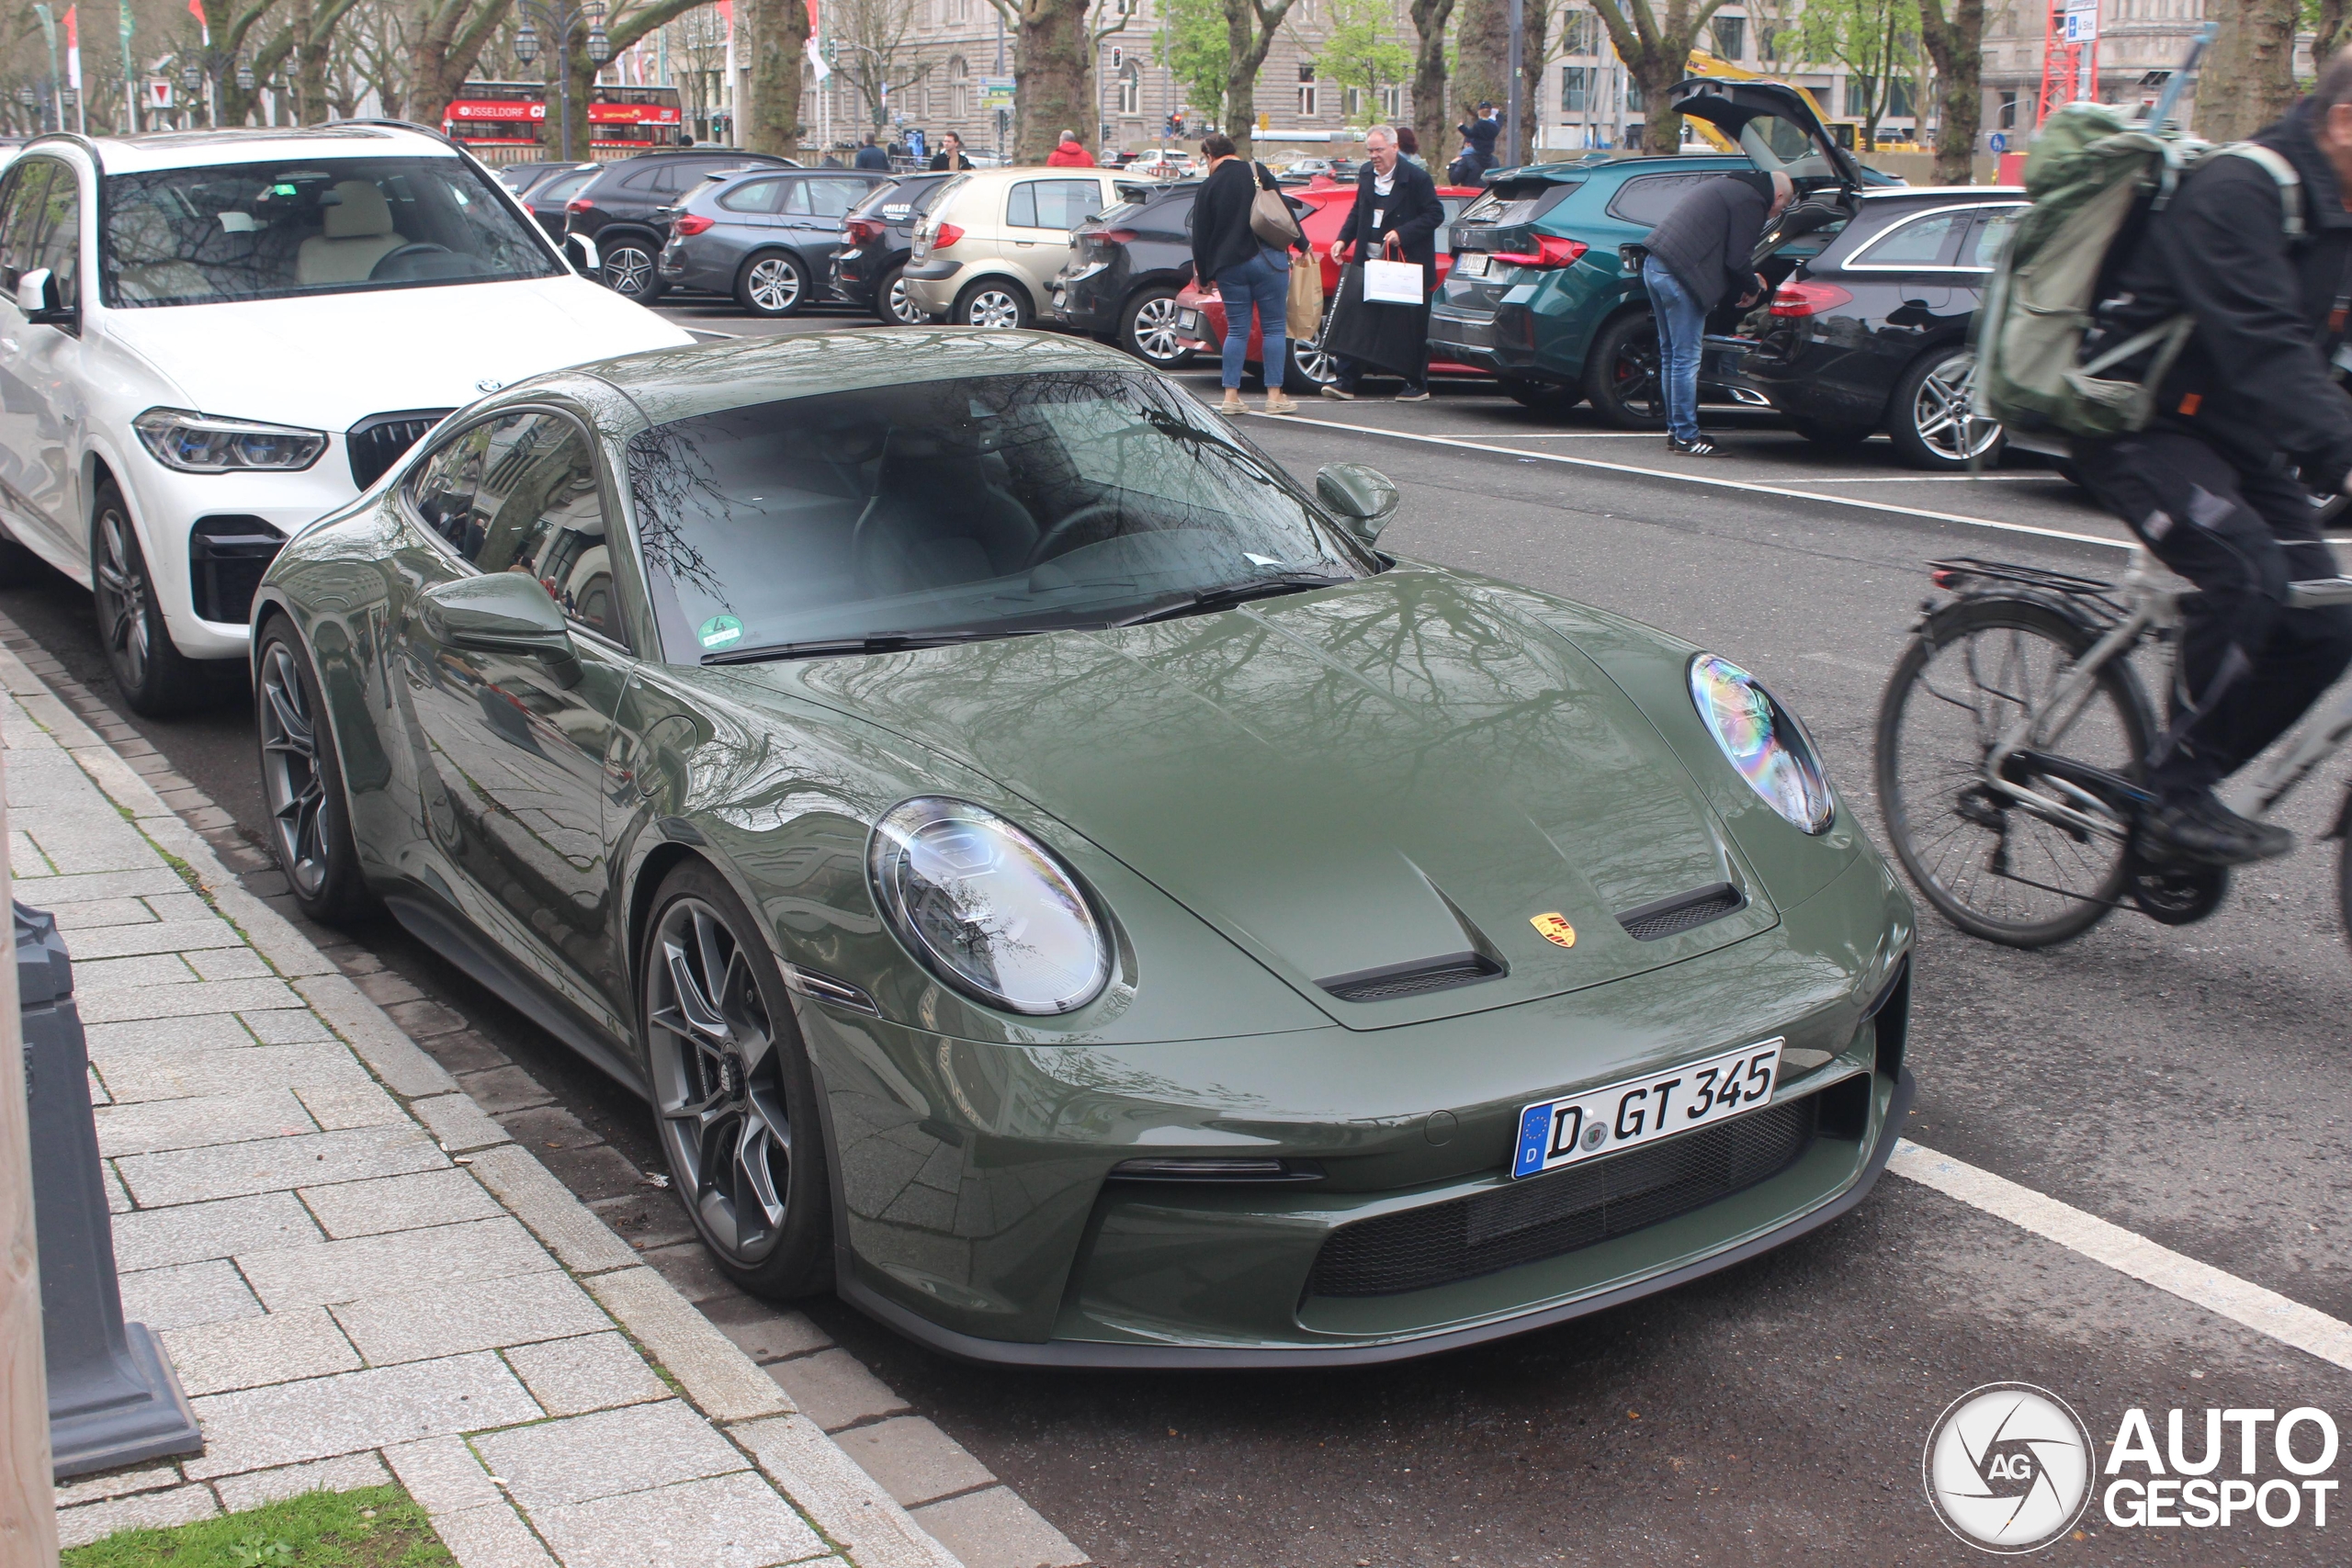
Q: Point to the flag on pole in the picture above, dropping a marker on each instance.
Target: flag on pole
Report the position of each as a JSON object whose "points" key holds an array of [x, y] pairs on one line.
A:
{"points": [[196, 9], [73, 49]]}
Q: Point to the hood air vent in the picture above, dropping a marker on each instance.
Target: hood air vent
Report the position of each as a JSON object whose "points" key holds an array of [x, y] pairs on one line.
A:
{"points": [[1392, 981], [1671, 916]]}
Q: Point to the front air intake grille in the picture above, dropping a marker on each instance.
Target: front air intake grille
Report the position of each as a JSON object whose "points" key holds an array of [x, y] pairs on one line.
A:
{"points": [[376, 442], [226, 556], [1669, 917], [1546, 1216], [1413, 979]]}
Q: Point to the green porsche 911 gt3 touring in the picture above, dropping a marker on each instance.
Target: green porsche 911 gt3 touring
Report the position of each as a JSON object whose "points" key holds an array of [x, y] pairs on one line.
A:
{"points": [[1057, 883]]}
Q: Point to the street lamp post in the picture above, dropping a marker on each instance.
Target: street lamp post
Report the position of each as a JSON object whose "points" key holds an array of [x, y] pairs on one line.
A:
{"points": [[32, 102], [562, 19]]}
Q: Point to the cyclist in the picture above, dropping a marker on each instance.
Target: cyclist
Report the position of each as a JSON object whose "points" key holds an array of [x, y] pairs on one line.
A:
{"points": [[2210, 486]]}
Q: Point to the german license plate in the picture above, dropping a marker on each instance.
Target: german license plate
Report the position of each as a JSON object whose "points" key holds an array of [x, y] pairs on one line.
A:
{"points": [[1475, 264], [1188, 321], [1555, 1133]]}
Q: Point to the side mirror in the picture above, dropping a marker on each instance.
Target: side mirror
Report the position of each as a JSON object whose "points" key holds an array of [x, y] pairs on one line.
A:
{"points": [[502, 612], [36, 297], [1362, 498]]}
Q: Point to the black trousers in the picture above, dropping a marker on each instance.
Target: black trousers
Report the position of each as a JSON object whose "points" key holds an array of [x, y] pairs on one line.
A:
{"points": [[2249, 667]]}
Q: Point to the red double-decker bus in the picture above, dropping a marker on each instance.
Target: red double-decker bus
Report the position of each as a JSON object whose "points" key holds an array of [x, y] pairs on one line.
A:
{"points": [[505, 122]]}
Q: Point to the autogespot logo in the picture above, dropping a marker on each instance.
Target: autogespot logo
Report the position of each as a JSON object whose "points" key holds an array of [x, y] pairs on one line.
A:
{"points": [[2007, 1467]]}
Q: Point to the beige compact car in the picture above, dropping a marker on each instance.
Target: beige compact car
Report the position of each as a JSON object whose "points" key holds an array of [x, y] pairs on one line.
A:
{"points": [[989, 243]]}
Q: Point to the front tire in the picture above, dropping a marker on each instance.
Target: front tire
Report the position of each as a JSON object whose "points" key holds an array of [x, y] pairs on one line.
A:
{"points": [[734, 1098], [301, 778], [1148, 329], [157, 679], [1623, 377], [772, 285], [1929, 419], [992, 302], [629, 270]]}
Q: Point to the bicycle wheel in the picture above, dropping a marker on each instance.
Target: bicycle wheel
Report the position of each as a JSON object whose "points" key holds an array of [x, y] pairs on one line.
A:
{"points": [[1994, 869]]}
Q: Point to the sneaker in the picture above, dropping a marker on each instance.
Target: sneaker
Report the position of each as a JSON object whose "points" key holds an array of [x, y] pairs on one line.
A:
{"points": [[1278, 402], [1414, 395], [1341, 393], [1233, 403], [1696, 446], [2199, 827]]}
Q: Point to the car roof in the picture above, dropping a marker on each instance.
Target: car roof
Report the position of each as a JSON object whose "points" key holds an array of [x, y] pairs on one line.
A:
{"points": [[670, 384], [1931, 196], [200, 149]]}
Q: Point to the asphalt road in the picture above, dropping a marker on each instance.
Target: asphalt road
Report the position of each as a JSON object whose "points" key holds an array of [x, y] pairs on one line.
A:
{"points": [[2186, 1083]]}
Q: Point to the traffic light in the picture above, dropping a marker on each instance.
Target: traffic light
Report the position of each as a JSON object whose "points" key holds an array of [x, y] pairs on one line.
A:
{"points": [[833, 51], [1118, 57]]}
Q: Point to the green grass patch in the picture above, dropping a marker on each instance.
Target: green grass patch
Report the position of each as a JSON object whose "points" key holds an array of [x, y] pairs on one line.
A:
{"points": [[376, 1527]]}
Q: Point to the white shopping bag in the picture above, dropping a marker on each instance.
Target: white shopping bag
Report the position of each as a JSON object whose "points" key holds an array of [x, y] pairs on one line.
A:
{"points": [[1393, 283]]}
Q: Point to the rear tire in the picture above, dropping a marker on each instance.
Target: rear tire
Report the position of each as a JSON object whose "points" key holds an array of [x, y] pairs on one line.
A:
{"points": [[1622, 374], [157, 679], [1148, 329], [992, 302], [1958, 687], [301, 780], [773, 284], [891, 305]]}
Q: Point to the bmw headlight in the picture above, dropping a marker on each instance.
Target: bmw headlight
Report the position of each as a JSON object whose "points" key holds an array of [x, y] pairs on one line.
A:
{"points": [[1763, 741], [986, 908], [200, 444]]}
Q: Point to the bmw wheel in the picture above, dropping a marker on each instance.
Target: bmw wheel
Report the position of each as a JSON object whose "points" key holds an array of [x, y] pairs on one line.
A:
{"points": [[1932, 425], [1622, 377], [301, 778], [1150, 331], [992, 303], [772, 284], [894, 305], [157, 679], [733, 1096], [628, 271], [1312, 366]]}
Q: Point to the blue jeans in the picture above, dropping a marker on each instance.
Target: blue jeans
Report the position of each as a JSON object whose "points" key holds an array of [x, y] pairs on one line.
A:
{"points": [[1681, 332], [1264, 281]]}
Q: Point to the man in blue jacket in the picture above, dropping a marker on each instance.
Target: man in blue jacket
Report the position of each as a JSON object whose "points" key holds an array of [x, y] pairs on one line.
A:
{"points": [[1696, 258]]}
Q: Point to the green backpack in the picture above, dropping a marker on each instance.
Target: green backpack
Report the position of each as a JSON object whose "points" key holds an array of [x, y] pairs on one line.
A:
{"points": [[2093, 170]]}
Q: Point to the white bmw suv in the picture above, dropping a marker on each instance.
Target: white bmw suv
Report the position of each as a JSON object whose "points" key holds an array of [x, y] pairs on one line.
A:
{"points": [[208, 340]]}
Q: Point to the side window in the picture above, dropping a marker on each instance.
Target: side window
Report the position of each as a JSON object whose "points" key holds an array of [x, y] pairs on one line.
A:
{"points": [[795, 198], [647, 180], [58, 248], [543, 515], [753, 196], [1985, 243], [25, 199], [1649, 198], [1021, 207], [834, 199], [1922, 241], [444, 489]]}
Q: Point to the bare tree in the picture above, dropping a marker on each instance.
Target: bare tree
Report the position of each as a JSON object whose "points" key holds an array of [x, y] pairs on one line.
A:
{"points": [[1053, 73], [1655, 47], [778, 34], [1430, 122], [1250, 26], [1955, 42], [876, 36], [2249, 79]]}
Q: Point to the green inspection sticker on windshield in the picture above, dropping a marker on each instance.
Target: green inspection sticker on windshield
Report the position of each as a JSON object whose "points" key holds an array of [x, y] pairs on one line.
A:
{"points": [[719, 630]]}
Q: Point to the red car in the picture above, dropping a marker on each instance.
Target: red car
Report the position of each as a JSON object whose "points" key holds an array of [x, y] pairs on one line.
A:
{"points": [[1200, 321]]}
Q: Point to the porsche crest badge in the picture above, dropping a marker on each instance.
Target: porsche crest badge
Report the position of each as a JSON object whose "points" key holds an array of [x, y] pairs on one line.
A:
{"points": [[1554, 927]]}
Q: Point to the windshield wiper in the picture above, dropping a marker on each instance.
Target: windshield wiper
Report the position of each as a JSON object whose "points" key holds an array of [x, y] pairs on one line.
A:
{"points": [[1226, 596], [893, 642]]}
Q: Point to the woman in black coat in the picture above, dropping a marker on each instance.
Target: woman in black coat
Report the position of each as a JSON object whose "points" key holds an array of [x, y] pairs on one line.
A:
{"points": [[1248, 273]]}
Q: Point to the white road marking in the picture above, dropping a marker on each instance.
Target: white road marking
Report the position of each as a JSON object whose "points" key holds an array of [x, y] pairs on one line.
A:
{"points": [[1751, 489], [2127, 1252], [1571, 434], [1935, 479]]}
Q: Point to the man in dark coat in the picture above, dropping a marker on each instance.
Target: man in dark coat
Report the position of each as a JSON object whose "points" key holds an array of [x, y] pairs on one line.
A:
{"points": [[1396, 206], [871, 156], [1697, 256], [2210, 486], [951, 153], [1478, 135]]}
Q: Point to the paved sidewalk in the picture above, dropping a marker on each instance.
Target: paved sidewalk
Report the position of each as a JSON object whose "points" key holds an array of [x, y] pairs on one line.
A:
{"points": [[357, 1272]]}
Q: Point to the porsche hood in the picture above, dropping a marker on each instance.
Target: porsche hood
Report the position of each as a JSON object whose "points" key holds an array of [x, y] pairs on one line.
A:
{"points": [[1403, 796]]}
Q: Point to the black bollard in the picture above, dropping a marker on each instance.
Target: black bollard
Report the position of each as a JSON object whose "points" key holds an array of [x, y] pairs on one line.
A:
{"points": [[113, 1399]]}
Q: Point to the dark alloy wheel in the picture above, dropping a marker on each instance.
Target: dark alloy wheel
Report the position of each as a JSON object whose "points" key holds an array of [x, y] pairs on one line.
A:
{"points": [[892, 303], [734, 1099], [302, 783], [157, 679], [1622, 377], [629, 271], [772, 284]]}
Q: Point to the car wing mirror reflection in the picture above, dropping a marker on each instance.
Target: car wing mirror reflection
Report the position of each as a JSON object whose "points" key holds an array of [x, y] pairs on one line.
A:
{"points": [[502, 612], [1362, 498]]}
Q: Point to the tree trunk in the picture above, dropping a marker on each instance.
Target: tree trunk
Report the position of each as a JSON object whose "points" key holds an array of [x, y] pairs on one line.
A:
{"points": [[1657, 70], [2331, 33], [1431, 122], [1956, 43], [2249, 80], [1242, 60], [780, 31], [1657, 56], [1053, 80], [1533, 39], [1481, 62], [310, 65]]}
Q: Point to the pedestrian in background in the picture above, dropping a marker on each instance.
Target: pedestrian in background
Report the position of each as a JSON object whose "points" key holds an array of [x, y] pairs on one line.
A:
{"points": [[1250, 272], [1409, 147], [1070, 153], [951, 153], [871, 156], [1699, 254], [1478, 135], [1396, 216]]}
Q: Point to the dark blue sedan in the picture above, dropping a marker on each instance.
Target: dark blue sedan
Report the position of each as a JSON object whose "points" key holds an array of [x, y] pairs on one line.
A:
{"points": [[766, 236]]}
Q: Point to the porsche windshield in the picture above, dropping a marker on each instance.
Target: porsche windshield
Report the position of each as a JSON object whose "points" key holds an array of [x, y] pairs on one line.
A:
{"points": [[949, 509], [268, 231]]}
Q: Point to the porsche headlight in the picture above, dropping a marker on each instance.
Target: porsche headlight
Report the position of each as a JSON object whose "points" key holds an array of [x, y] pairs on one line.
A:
{"points": [[199, 444], [1767, 746], [986, 908]]}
